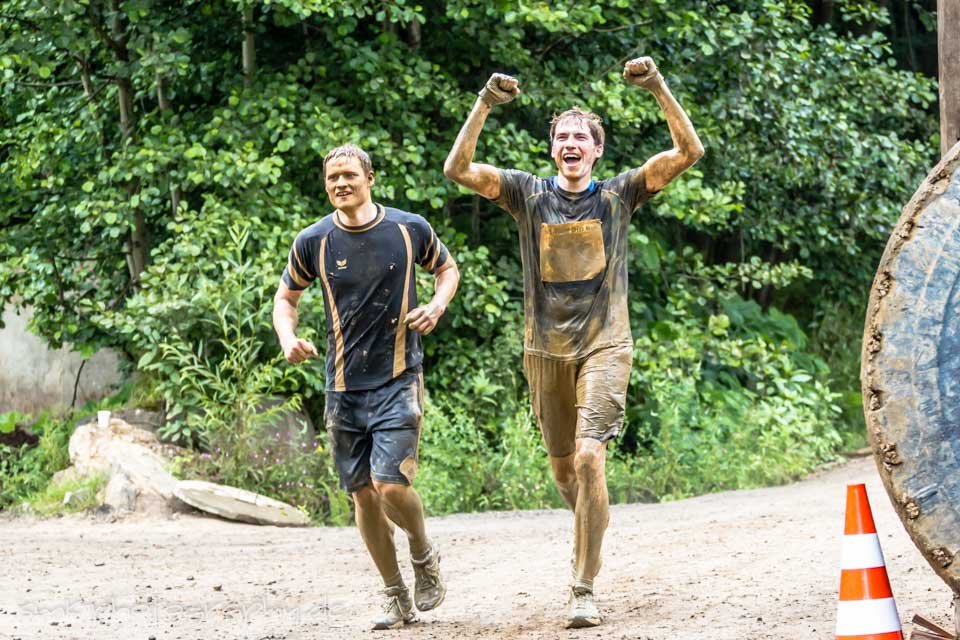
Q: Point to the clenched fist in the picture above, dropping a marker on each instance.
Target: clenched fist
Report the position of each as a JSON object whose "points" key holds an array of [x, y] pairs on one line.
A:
{"points": [[297, 350], [500, 89], [642, 72], [424, 318]]}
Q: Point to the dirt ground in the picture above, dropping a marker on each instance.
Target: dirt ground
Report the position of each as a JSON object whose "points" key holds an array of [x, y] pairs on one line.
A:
{"points": [[739, 565]]}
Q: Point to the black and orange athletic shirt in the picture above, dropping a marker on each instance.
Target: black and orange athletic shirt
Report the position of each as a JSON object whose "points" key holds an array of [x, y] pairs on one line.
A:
{"points": [[368, 283]]}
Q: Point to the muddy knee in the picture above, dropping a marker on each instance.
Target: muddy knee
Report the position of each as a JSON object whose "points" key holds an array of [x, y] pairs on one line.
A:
{"points": [[589, 461], [391, 492], [366, 497]]}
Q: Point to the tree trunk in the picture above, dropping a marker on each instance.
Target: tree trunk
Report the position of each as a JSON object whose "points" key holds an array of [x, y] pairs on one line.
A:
{"points": [[249, 50], [908, 31], [948, 26], [125, 98], [137, 242], [162, 99], [822, 12], [414, 35], [85, 77]]}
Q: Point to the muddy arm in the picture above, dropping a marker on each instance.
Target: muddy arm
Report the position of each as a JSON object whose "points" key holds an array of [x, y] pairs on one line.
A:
{"points": [[483, 179], [687, 148]]}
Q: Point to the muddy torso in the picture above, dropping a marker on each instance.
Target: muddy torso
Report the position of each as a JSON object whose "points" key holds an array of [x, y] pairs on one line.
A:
{"points": [[574, 248]]}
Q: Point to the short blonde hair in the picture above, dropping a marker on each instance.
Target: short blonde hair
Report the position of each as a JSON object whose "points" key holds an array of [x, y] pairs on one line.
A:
{"points": [[349, 151]]}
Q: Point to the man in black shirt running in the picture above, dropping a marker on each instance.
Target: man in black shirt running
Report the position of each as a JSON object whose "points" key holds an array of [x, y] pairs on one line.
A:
{"points": [[364, 254]]}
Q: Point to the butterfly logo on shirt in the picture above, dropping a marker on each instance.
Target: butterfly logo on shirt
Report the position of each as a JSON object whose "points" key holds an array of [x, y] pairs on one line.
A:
{"points": [[341, 264]]}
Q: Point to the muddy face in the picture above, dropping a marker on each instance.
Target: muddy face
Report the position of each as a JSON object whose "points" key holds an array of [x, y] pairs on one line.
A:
{"points": [[348, 187], [574, 150]]}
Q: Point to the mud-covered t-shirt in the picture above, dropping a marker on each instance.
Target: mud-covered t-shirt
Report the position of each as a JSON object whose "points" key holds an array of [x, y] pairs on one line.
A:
{"points": [[368, 283], [574, 252]]}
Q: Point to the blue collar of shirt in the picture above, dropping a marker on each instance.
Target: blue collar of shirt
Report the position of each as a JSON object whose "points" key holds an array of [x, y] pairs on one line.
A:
{"points": [[590, 187]]}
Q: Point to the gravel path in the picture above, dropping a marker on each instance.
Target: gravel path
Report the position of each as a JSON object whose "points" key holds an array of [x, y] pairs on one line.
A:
{"points": [[760, 564]]}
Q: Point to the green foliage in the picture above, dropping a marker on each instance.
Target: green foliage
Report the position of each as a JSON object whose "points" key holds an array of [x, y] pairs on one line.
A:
{"points": [[161, 229], [463, 468], [25, 469], [50, 500], [204, 349], [10, 420]]}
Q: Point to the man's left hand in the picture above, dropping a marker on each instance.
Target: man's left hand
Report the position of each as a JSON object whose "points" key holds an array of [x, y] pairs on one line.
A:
{"points": [[642, 72], [424, 318]]}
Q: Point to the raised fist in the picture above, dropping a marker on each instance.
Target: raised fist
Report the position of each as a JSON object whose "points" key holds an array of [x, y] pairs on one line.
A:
{"points": [[642, 72], [500, 89]]}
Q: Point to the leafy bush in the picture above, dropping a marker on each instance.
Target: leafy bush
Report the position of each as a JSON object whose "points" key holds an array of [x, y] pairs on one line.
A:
{"points": [[814, 140], [465, 469], [26, 470]]}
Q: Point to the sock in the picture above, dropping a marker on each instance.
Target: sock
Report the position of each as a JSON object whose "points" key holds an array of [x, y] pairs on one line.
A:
{"points": [[395, 581]]}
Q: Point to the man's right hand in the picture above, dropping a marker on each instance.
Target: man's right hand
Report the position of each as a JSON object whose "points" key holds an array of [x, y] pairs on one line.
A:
{"points": [[298, 350], [500, 89]]}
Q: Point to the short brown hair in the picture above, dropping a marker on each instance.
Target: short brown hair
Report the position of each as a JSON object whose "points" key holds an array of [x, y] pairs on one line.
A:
{"points": [[349, 151], [594, 123]]}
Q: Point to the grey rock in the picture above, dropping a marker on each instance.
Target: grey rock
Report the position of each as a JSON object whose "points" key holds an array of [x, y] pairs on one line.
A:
{"points": [[120, 493], [239, 504]]}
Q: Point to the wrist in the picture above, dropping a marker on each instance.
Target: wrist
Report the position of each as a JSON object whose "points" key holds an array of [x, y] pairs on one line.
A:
{"points": [[656, 82], [483, 99]]}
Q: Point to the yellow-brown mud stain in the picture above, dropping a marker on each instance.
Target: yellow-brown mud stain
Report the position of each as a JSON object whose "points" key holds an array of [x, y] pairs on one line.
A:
{"points": [[409, 468], [571, 251]]}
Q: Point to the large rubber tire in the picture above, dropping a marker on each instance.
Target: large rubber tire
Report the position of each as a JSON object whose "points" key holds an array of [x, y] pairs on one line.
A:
{"points": [[910, 368]]}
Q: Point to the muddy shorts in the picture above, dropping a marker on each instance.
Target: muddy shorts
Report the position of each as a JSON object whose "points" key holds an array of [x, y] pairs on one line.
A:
{"points": [[375, 433], [581, 398]]}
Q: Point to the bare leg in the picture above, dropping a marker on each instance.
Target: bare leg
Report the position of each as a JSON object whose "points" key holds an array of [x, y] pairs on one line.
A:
{"points": [[565, 475], [402, 505], [593, 508], [377, 533]]}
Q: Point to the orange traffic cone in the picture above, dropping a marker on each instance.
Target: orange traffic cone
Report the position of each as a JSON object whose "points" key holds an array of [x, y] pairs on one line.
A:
{"points": [[867, 610]]}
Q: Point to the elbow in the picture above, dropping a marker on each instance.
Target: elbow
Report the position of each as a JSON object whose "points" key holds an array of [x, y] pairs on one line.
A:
{"points": [[451, 273], [698, 151], [452, 270], [692, 154], [450, 171]]}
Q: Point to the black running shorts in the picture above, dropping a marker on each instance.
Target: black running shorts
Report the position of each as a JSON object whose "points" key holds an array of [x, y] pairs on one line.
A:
{"points": [[375, 433]]}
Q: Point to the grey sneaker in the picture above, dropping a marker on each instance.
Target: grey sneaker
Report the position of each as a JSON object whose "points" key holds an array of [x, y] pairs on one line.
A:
{"points": [[429, 591], [397, 609], [582, 611]]}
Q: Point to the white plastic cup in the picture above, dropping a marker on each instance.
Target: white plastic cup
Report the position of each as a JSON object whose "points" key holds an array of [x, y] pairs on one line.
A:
{"points": [[103, 419]]}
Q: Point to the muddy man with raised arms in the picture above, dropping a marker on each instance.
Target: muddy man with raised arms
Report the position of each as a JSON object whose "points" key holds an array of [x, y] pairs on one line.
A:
{"points": [[573, 244], [363, 254]]}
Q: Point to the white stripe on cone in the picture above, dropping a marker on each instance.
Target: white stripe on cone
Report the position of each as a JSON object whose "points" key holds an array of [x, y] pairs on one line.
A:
{"points": [[862, 617], [861, 551]]}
